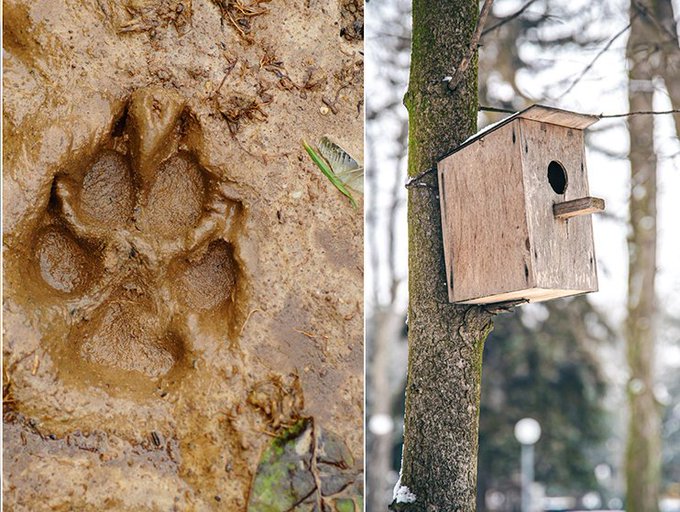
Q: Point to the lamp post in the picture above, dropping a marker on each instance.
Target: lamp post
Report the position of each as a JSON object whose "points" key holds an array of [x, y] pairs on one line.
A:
{"points": [[527, 432]]}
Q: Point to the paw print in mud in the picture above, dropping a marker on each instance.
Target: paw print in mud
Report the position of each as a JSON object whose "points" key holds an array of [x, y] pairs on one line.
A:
{"points": [[140, 244]]}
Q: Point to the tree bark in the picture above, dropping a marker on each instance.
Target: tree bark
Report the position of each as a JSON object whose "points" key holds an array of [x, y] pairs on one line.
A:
{"points": [[445, 341], [643, 451]]}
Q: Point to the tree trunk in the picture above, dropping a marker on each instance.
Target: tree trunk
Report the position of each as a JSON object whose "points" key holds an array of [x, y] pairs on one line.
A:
{"points": [[445, 341], [670, 67], [643, 452]]}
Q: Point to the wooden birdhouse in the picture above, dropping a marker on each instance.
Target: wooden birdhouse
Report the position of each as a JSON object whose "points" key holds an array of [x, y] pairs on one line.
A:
{"points": [[515, 204]]}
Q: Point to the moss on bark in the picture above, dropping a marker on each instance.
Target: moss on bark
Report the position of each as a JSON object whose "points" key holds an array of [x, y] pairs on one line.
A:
{"points": [[445, 341]]}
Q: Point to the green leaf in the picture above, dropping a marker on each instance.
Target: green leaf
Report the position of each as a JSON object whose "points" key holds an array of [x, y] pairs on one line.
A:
{"points": [[304, 467], [284, 476], [328, 172], [344, 505], [345, 167]]}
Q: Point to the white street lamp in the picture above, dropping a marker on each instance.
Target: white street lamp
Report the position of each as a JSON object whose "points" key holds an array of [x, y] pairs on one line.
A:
{"points": [[527, 432]]}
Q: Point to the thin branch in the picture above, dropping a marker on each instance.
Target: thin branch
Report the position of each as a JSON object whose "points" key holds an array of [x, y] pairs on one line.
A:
{"points": [[484, 108], [641, 113], [474, 43], [416, 180], [599, 54], [505, 20]]}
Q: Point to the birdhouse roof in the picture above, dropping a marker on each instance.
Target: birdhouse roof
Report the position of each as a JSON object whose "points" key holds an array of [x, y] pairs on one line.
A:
{"points": [[542, 113]]}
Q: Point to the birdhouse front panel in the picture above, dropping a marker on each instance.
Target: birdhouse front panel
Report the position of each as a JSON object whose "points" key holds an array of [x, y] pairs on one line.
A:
{"points": [[514, 203], [562, 254]]}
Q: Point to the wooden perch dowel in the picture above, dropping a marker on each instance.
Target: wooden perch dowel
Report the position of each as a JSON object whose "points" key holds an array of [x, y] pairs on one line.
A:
{"points": [[582, 206]]}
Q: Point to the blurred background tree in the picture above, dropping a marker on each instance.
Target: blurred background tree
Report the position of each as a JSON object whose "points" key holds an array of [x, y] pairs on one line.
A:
{"points": [[543, 364], [652, 53]]}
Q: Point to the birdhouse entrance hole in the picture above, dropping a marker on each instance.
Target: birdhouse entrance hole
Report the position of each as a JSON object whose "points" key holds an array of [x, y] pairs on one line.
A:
{"points": [[557, 177]]}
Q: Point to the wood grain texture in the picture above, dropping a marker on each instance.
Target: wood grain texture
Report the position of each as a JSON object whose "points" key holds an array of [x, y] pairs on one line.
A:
{"points": [[576, 207], [483, 220], [529, 294], [501, 238], [558, 116], [562, 251]]}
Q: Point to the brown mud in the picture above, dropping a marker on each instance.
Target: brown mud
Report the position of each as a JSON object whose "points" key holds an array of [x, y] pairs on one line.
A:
{"points": [[181, 283]]}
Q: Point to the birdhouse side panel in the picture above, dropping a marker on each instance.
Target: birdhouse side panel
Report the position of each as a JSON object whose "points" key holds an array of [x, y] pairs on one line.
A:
{"points": [[483, 221], [562, 250]]}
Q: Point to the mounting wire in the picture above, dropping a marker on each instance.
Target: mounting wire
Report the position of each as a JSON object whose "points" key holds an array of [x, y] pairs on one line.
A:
{"points": [[416, 181], [486, 108]]}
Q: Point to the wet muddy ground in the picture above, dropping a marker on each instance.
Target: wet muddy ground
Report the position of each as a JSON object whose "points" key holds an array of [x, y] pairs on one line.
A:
{"points": [[183, 288]]}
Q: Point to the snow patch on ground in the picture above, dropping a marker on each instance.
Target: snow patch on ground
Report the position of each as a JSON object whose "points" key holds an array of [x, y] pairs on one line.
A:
{"points": [[402, 494]]}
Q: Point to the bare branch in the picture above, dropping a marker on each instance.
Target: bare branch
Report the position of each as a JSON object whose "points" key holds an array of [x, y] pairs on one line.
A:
{"points": [[641, 113], [474, 43], [484, 108], [505, 20], [599, 54]]}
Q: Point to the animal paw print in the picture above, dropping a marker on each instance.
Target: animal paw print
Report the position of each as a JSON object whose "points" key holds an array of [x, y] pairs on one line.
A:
{"points": [[140, 243]]}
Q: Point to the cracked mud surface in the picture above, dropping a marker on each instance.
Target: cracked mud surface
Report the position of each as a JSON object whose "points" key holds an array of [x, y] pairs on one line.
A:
{"points": [[181, 283]]}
